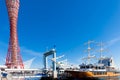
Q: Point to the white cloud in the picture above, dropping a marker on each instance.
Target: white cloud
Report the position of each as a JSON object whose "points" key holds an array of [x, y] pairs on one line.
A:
{"points": [[113, 41], [23, 50], [4, 47], [34, 62], [31, 52]]}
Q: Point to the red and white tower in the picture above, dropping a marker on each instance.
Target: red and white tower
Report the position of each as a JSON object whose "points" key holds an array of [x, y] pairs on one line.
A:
{"points": [[13, 59]]}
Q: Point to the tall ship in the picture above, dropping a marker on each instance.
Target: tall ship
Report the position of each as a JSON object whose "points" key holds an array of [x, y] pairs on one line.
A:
{"points": [[104, 67]]}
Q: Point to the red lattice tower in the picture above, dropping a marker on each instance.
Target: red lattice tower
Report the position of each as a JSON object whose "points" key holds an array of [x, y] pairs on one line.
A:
{"points": [[13, 59]]}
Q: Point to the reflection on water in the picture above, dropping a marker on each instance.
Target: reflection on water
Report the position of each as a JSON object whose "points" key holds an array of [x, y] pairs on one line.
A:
{"points": [[26, 79], [106, 78], [110, 78]]}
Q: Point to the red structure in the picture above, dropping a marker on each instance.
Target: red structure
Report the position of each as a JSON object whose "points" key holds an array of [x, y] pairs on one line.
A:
{"points": [[13, 59]]}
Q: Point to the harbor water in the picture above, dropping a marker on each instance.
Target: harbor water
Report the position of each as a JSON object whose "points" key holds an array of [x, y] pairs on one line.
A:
{"points": [[107, 78], [21, 79]]}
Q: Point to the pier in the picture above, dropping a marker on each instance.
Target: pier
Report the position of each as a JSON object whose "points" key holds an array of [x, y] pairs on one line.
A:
{"points": [[15, 74]]}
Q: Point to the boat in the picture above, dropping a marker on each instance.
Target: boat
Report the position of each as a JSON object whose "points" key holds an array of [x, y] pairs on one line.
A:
{"points": [[103, 68]]}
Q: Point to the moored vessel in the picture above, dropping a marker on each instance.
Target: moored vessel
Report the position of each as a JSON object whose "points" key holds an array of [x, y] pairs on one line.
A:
{"points": [[104, 68]]}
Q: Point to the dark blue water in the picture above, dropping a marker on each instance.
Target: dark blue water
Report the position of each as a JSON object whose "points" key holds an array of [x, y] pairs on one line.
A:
{"points": [[32, 79], [27, 79], [107, 78]]}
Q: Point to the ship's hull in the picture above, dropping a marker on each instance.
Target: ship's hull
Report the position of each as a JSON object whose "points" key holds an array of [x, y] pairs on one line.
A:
{"points": [[93, 78], [93, 75]]}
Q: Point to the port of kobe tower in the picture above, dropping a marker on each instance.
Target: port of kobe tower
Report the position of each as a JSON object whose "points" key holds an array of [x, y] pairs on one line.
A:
{"points": [[13, 58]]}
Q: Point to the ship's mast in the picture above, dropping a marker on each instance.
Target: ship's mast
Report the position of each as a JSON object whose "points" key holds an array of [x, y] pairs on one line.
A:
{"points": [[88, 51], [101, 51]]}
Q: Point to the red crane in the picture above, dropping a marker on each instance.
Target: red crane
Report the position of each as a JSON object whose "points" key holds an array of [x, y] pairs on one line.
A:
{"points": [[13, 59]]}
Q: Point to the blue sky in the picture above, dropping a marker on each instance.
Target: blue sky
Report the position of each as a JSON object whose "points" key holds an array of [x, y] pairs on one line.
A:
{"points": [[68, 24]]}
